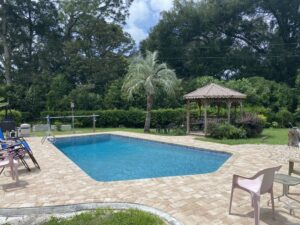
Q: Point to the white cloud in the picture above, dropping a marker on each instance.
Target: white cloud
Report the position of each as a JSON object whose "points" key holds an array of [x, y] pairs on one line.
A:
{"points": [[143, 14], [139, 11], [161, 5], [136, 33]]}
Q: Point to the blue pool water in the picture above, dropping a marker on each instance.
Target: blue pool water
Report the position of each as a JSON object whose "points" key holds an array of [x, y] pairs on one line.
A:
{"points": [[112, 158]]}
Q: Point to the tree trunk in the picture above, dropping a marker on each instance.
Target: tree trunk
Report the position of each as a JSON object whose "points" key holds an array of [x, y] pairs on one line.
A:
{"points": [[148, 114], [6, 48]]}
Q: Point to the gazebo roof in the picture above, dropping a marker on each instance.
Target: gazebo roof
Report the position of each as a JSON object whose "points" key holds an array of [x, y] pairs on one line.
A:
{"points": [[214, 91]]}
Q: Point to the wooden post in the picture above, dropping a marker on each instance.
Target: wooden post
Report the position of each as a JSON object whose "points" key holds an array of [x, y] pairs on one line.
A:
{"points": [[241, 108], [188, 116], [205, 118], [228, 112]]}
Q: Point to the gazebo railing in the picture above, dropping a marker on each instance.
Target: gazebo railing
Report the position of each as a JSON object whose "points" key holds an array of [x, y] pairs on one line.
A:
{"points": [[197, 124]]}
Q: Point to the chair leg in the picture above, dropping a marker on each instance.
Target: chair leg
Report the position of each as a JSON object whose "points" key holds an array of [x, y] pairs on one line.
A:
{"points": [[2, 170], [256, 202], [25, 163], [16, 173], [231, 197], [272, 202], [12, 171], [34, 160]]}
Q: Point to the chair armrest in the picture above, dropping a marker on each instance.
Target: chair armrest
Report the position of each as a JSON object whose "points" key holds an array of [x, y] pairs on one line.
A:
{"points": [[294, 160], [235, 177]]}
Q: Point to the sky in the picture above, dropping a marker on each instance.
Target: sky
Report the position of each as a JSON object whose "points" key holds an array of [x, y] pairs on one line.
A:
{"points": [[144, 14]]}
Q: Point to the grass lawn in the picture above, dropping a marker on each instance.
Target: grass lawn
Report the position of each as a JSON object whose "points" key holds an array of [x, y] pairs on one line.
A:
{"points": [[109, 217], [272, 136], [90, 130]]}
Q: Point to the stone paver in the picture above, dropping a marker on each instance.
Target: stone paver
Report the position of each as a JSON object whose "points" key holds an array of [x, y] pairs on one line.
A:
{"points": [[194, 200]]}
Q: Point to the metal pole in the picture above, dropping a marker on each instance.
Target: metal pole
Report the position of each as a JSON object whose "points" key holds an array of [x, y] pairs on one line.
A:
{"points": [[73, 121], [94, 122], [72, 108], [49, 124]]}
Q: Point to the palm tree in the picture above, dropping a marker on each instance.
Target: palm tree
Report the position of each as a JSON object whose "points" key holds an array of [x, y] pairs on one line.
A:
{"points": [[147, 75]]}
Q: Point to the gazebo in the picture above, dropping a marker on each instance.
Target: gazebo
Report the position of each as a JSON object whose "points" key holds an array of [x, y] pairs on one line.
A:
{"points": [[213, 93]]}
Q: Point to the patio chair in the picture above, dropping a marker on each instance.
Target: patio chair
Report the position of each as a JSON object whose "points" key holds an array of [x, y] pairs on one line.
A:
{"points": [[20, 146], [29, 152], [9, 161], [259, 184]]}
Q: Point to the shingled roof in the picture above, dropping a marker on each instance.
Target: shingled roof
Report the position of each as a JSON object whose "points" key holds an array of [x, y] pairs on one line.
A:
{"points": [[214, 91]]}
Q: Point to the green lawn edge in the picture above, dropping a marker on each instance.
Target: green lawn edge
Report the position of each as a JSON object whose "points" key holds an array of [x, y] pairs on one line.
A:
{"points": [[272, 136]]}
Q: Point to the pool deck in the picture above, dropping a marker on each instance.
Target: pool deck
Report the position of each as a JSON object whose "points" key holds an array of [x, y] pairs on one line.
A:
{"points": [[193, 200]]}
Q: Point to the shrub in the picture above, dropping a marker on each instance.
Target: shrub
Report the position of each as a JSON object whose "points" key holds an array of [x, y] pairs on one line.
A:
{"points": [[251, 123], [26, 117], [284, 117], [58, 125], [274, 124], [12, 114], [164, 117], [263, 119], [226, 131]]}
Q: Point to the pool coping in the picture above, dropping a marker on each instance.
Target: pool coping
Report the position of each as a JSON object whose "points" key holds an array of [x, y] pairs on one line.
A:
{"points": [[64, 209], [161, 142], [233, 155]]}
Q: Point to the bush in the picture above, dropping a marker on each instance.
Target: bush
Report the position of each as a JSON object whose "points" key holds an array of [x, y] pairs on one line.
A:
{"points": [[274, 124], [58, 125], [251, 123], [226, 131], [263, 119], [284, 117], [12, 114], [164, 117]]}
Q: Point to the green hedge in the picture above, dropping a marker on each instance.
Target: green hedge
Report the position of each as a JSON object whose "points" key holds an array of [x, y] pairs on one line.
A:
{"points": [[127, 118]]}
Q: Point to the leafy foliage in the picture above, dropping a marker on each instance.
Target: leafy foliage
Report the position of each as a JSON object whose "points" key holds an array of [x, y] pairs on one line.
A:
{"points": [[284, 117], [229, 38], [251, 123], [227, 131]]}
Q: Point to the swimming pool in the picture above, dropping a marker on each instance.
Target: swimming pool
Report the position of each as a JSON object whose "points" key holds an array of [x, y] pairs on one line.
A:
{"points": [[108, 157]]}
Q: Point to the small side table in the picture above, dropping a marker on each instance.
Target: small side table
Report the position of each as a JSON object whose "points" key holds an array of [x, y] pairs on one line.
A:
{"points": [[286, 181]]}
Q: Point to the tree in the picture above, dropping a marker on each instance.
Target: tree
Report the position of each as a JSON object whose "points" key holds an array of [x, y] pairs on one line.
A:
{"points": [[230, 38], [145, 74]]}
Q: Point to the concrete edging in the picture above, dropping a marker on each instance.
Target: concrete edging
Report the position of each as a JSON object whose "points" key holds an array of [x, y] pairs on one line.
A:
{"points": [[64, 209]]}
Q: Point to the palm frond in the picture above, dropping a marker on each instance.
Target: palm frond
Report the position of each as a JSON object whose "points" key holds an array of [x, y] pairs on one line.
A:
{"points": [[149, 75]]}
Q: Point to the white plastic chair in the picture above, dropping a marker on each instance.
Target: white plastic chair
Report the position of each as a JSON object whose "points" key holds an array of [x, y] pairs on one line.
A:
{"points": [[9, 161], [259, 184]]}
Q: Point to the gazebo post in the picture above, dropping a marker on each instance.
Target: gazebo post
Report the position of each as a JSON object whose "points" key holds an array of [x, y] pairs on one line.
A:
{"points": [[205, 117], [241, 108], [188, 116], [229, 109], [199, 107]]}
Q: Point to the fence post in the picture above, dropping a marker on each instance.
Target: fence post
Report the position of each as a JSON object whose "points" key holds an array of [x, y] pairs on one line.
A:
{"points": [[49, 124], [94, 122]]}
